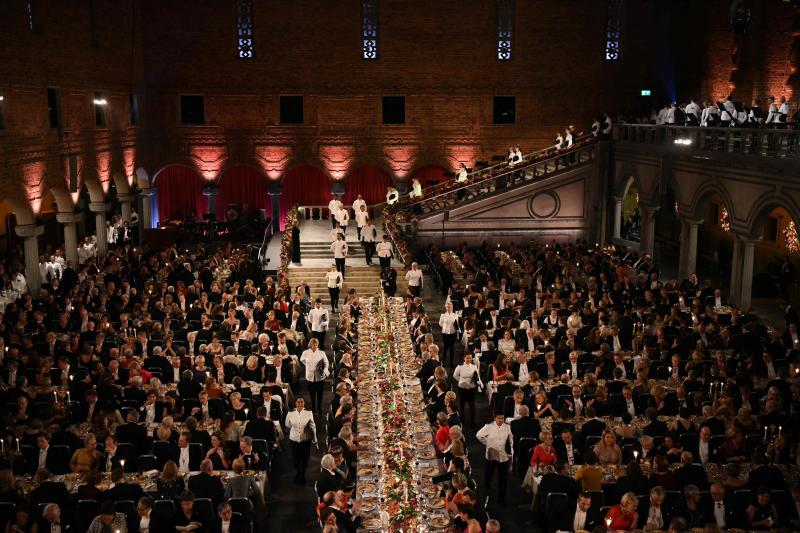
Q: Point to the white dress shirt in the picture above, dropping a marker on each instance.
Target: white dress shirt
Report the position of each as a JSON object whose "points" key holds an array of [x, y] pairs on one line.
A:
{"points": [[719, 514], [462, 175], [318, 319], [579, 522], [144, 524], [334, 206], [522, 376], [334, 279], [183, 460], [297, 422], [694, 109], [414, 278], [343, 217], [703, 451], [43, 457], [463, 375], [447, 321], [339, 249], [150, 413], [311, 358], [226, 526], [495, 437], [357, 205], [384, 249], [655, 517], [361, 218]]}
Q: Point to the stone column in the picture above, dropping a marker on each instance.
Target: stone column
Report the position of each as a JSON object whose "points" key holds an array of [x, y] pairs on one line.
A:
{"points": [[70, 220], [688, 259], [99, 209], [145, 213], [126, 200], [736, 270], [30, 233], [647, 234], [618, 217], [746, 292]]}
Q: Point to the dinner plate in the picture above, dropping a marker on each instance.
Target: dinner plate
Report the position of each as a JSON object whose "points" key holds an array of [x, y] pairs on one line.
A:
{"points": [[372, 523], [362, 472], [368, 487], [427, 454], [436, 504], [431, 471], [440, 522]]}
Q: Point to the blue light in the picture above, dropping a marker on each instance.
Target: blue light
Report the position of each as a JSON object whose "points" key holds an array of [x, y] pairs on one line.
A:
{"points": [[645, 92]]}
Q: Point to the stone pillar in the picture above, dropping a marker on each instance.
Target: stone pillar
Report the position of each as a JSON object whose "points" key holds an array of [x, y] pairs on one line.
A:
{"points": [[618, 217], [70, 220], [688, 259], [126, 200], [30, 233], [211, 196], [746, 292], [736, 270], [145, 213], [648, 231], [99, 209]]}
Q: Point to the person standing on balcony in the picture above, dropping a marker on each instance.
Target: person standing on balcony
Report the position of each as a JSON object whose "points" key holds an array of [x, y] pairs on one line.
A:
{"points": [[694, 110], [334, 206], [462, 175], [339, 249], [608, 124], [559, 141], [783, 111], [416, 189]]}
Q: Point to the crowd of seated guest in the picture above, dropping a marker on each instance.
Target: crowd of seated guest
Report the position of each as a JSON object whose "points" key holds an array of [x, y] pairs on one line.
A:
{"points": [[629, 368]]}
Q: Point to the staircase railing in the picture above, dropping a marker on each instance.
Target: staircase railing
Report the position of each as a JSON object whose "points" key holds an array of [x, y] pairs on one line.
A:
{"points": [[545, 164], [760, 142]]}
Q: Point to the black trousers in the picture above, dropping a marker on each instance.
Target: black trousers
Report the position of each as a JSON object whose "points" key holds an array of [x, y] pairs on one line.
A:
{"points": [[449, 343], [502, 477], [301, 451], [385, 261], [358, 232], [369, 251], [315, 389], [340, 265], [320, 336], [334, 292], [467, 397], [415, 289]]}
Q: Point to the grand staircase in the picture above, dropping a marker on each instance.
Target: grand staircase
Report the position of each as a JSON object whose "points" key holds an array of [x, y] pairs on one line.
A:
{"points": [[364, 279]]}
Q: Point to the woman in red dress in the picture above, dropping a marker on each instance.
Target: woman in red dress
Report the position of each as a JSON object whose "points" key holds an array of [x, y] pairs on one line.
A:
{"points": [[544, 453], [623, 516]]}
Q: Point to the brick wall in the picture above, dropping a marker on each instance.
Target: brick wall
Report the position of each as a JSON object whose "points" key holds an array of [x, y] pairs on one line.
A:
{"points": [[440, 55]]}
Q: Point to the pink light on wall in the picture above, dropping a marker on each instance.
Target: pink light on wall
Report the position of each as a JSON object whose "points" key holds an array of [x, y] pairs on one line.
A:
{"points": [[400, 159], [461, 153], [33, 178], [273, 159], [336, 158], [104, 170], [208, 159], [129, 164]]}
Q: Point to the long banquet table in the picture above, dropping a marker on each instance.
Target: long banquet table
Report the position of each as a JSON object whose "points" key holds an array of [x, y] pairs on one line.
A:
{"points": [[393, 478]]}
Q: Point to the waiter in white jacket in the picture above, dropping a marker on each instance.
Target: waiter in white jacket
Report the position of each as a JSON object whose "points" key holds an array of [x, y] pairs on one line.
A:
{"points": [[361, 218], [496, 436], [334, 206], [339, 249], [335, 282]]}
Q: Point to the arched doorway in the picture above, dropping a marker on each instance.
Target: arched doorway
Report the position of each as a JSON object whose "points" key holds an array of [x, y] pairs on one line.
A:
{"points": [[370, 182], [305, 185], [779, 244], [242, 192], [180, 194]]}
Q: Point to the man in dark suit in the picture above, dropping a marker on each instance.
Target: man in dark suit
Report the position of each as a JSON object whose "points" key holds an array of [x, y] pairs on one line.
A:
{"points": [[42, 456], [225, 516], [656, 428], [718, 509], [207, 485], [56, 515], [652, 513], [122, 490], [525, 426], [133, 433], [261, 428], [691, 474], [556, 481], [519, 362], [710, 421], [110, 459], [253, 460], [566, 450], [49, 490], [592, 426], [580, 515], [329, 478]]}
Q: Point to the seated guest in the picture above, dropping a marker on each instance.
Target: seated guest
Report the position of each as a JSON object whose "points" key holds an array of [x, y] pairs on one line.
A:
{"points": [[607, 450], [108, 520], [690, 473], [566, 450], [623, 516], [121, 490], [544, 453], [205, 484], [590, 475], [168, 485], [691, 509], [656, 516], [718, 509], [87, 457], [187, 516], [226, 521], [581, 516], [48, 490], [633, 480], [662, 475]]}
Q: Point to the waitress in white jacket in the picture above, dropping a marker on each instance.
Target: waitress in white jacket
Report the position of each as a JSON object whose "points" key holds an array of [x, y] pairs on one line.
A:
{"points": [[302, 433], [467, 378], [334, 279]]}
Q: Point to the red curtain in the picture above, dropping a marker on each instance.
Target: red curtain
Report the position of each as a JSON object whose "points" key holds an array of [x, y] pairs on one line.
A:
{"points": [[304, 185], [370, 182], [180, 194], [428, 173], [244, 188]]}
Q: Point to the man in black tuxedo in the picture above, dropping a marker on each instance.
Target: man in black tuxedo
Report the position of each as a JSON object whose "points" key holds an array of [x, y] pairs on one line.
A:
{"points": [[656, 428], [718, 509], [54, 515], [197, 435], [261, 428], [525, 426], [133, 433], [225, 517], [593, 426], [556, 481], [329, 478], [253, 460], [690, 473], [566, 450], [122, 490], [652, 513], [42, 456], [580, 515], [110, 459], [49, 490], [710, 421], [207, 485]]}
